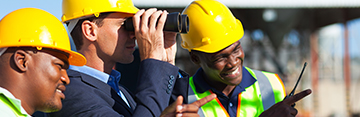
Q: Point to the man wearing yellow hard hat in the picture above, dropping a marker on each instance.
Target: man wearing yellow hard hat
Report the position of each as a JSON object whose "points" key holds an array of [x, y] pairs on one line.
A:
{"points": [[34, 55], [97, 29], [214, 44]]}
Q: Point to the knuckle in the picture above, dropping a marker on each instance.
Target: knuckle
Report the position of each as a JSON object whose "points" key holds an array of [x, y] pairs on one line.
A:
{"points": [[143, 30]]}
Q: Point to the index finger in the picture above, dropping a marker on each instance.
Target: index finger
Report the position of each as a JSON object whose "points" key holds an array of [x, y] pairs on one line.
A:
{"points": [[204, 100], [162, 20], [136, 19], [297, 97]]}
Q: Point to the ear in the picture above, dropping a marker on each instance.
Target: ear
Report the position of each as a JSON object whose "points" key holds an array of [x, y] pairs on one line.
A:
{"points": [[21, 59], [194, 58], [89, 30]]}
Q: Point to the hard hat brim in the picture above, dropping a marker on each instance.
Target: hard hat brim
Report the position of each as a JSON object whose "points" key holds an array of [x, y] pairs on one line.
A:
{"points": [[75, 58]]}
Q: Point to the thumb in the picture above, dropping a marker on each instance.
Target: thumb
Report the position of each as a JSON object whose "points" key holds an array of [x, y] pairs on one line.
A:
{"points": [[179, 102], [173, 108]]}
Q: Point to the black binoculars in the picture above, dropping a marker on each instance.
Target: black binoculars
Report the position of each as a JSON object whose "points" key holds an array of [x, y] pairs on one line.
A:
{"points": [[174, 23]]}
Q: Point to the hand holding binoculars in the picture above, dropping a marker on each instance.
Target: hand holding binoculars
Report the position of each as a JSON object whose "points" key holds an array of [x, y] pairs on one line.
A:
{"points": [[174, 23]]}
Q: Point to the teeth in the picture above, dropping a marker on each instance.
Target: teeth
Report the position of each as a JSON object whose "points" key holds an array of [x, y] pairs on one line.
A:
{"points": [[58, 90], [236, 70]]}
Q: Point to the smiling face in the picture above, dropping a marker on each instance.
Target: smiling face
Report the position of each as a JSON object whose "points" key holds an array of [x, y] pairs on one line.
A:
{"points": [[48, 77], [116, 44], [223, 67]]}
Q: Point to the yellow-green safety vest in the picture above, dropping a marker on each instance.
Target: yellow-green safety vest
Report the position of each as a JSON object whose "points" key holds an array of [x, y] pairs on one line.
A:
{"points": [[10, 103], [268, 90]]}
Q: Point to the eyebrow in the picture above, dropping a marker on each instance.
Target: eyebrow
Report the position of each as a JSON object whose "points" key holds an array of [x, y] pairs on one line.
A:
{"points": [[67, 62], [237, 46], [67, 65]]}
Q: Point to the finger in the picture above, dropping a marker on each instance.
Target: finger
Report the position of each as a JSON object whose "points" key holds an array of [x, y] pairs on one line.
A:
{"points": [[194, 107], [204, 100], [179, 106], [293, 111], [179, 100], [161, 22], [136, 19], [171, 109], [187, 115], [178, 115], [145, 17], [297, 97], [153, 19], [189, 108]]}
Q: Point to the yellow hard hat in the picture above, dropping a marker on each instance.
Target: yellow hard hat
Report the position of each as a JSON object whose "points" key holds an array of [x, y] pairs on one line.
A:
{"points": [[212, 27], [32, 27], [73, 9]]}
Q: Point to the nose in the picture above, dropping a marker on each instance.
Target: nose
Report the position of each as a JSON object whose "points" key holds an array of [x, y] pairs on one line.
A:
{"points": [[232, 61], [132, 34], [64, 77]]}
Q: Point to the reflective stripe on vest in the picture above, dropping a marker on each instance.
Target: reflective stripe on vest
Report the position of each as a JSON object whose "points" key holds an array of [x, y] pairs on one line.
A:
{"points": [[211, 109], [252, 102], [9, 104], [267, 94]]}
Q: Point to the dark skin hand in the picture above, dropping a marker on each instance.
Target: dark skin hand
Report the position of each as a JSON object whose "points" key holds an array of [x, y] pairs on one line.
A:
{"points": [[283, 108], [177, 109]]}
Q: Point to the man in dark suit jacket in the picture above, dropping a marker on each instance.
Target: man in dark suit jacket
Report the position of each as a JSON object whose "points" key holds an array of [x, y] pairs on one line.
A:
{"points": [[88, 96], [98, 33]]}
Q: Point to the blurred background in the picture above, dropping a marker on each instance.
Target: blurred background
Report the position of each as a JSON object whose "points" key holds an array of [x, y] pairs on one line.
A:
{"points": [[280, 36]]}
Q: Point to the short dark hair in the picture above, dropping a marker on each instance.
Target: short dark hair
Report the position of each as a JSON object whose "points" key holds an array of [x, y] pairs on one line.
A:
{"points": [[77, 34]]}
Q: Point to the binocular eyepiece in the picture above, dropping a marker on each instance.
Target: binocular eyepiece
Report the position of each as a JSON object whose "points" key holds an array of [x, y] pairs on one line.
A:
{"points": [[174, 23]]}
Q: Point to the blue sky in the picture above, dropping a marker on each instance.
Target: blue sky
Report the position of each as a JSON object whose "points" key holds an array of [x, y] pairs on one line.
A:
{"points": [[52, 6]]}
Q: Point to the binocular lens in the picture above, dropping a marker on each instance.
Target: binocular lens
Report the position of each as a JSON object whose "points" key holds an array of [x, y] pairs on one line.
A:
{"points": [[174, 23], [184, 24]]}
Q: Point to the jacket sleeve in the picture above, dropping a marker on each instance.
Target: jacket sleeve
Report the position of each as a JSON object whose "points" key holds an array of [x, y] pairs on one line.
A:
{"points": [[158, 85]]}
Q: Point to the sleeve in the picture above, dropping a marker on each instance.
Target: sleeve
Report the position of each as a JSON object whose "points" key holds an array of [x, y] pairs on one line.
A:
{"points": [[158, 85], [181, 87]]}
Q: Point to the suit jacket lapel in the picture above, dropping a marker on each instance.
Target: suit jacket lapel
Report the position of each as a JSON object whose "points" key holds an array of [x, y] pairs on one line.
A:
{"points": [[102, 87], [128, 96], [118, 99]]}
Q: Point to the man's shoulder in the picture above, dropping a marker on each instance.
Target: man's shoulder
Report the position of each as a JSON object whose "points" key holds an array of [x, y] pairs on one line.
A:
{"points": [[83, 84]]}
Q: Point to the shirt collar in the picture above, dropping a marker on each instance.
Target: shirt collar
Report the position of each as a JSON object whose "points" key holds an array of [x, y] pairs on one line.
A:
{"points": [[115, 74], [13, 100], [102, 76], [201, 86]]}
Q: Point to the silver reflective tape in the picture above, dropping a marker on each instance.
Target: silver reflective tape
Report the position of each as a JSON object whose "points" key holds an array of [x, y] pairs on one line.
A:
{"points": [[2, 50], [267, 93], [191, 95], [72, 24], [192, 98]]}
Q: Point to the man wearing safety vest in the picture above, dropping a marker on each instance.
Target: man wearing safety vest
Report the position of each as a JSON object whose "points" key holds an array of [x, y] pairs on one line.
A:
{"points": [[214, 44], [34, 55]]}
